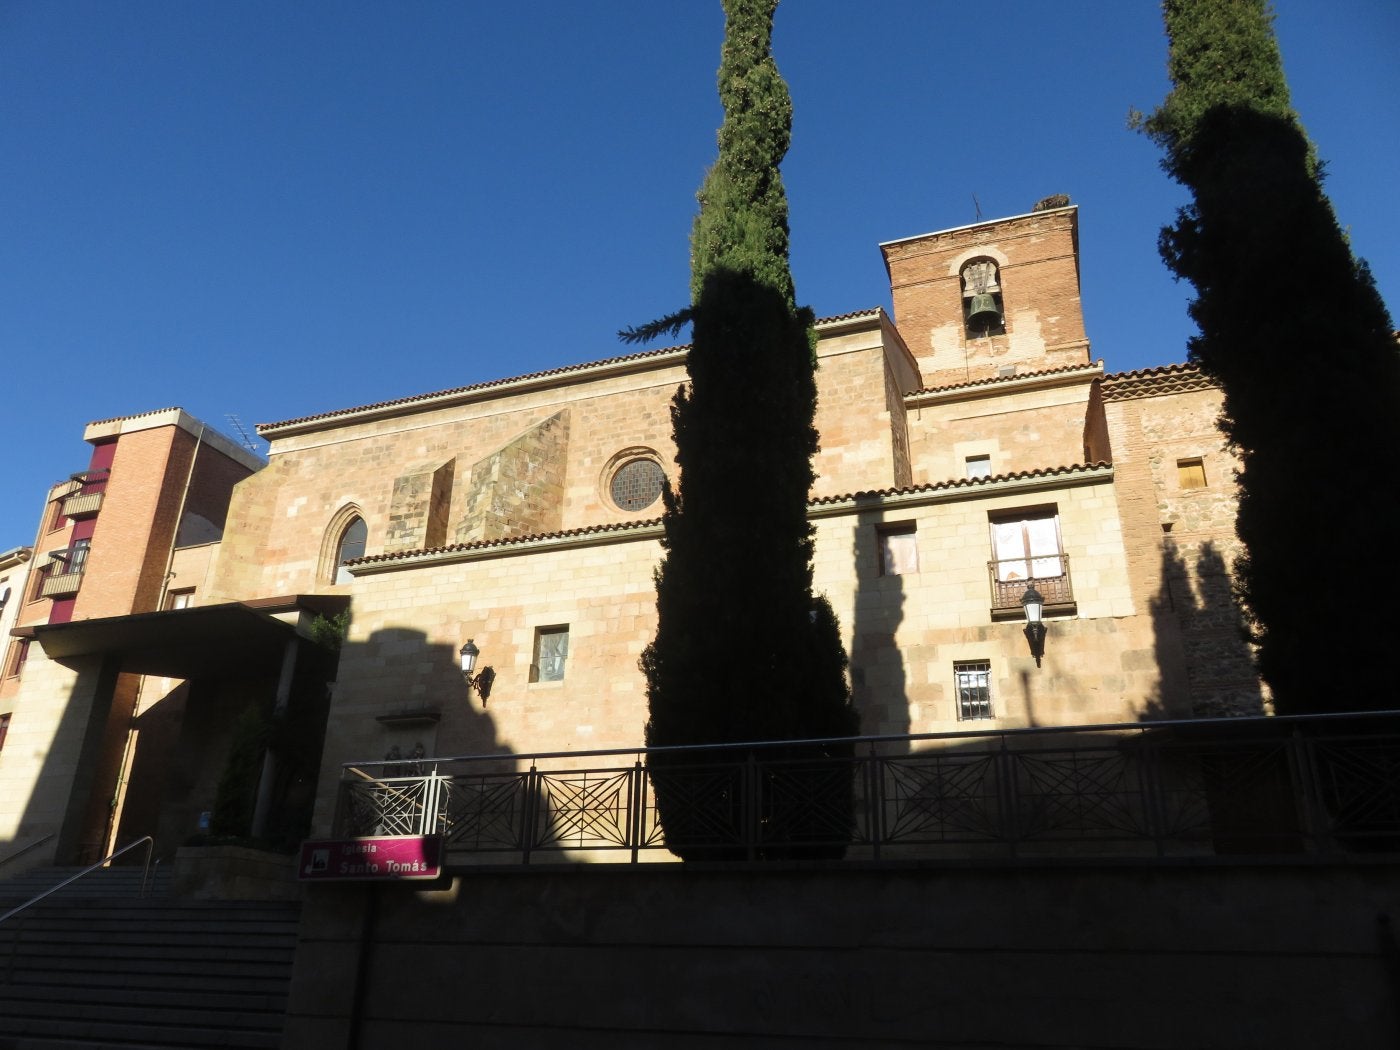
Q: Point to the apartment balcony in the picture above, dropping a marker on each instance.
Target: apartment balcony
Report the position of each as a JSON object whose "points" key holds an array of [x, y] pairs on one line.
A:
{"points": [[82, 505], [61, 585], [1049, 575], [85, 498]]}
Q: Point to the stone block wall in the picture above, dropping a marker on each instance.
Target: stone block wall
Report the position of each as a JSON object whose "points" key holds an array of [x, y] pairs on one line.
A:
{"points": [[1020, 424], [518, 490], [904, 633], [1137, 958], [1181, 541], [418, 508]]}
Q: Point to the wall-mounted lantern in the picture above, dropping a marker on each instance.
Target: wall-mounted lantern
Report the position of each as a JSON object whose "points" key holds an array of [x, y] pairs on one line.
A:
{"points": [[479, 682], [1034, 605]]}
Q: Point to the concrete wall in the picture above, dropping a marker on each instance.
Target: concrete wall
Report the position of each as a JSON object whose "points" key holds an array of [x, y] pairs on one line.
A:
{"points": [[1134, 958]]}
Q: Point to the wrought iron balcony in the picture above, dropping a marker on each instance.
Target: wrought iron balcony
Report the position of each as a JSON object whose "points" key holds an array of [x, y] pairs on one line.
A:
{"points": [[1049, 575], [1326, 785]]}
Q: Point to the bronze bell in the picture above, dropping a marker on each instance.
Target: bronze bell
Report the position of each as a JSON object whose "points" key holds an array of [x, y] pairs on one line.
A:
{"points": [[982, 311]]}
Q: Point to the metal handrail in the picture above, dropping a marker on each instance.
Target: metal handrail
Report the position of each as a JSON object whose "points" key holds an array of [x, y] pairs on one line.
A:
{"points": [[145, 874], [1142, 728], [1132, 790], [25, 849]]}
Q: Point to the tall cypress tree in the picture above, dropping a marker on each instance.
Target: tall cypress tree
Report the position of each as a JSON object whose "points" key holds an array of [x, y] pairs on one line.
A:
{"points": [[743, 649], [1293, 328]]}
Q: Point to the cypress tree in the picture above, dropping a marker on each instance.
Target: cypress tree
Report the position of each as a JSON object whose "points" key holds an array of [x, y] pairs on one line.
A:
{"points": [[743, 650], [1293, 329]]}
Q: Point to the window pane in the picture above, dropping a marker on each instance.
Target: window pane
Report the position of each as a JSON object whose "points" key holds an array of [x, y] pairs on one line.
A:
{"points": [[979, 466], [899, 551], [973, 685], [1043, 542], [352, 545], [1009, 544], [551, 653]]}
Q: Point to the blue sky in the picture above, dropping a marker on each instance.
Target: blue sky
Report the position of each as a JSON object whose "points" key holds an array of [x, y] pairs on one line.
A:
{"points": [[274, 209]]}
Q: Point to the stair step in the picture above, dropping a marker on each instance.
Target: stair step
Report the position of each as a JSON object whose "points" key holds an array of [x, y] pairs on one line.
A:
{"points": [[273, 981], [112, 1034], [162, 1013], [39, 995], [114, 970]]}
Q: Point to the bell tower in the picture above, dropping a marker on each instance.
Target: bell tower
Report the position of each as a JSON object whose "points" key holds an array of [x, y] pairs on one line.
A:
{"points": [[993, 299]]}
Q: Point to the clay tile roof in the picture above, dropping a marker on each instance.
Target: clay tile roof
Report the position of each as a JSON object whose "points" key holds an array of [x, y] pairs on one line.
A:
{"points": [[267, 428], [1154, 382], [958, 483], [875, 312], [510, 541], [439, 394], [994, 380], [649, 523], [138, 415]]}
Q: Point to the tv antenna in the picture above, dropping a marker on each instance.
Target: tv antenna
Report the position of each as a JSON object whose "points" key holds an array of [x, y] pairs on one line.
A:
{"points": [[245, 439]]}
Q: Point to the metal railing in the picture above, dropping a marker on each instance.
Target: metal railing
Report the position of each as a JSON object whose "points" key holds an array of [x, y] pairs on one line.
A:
{"points": [[1313, 786], [1049, 574], [27, 848], [145, 875]]}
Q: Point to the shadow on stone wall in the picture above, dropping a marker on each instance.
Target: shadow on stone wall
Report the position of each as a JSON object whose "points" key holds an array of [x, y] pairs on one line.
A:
{"points": [[1201, 641], [879, 682]]}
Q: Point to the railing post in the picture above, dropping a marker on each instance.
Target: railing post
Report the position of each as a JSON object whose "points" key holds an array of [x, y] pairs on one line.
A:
{"points": [[636, 807], [874, 802], [750, 813], [1302, 766], [1007, 797], [529, 817], [1154, 802]]}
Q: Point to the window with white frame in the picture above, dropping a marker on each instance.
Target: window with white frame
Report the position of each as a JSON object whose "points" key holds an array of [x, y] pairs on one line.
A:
{"points": [[551, 654], [1026, 546], [979, 466], [972, 681]]}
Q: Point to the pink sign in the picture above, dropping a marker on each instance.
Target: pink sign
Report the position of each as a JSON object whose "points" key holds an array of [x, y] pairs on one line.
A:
{"points": [[382, 858]]}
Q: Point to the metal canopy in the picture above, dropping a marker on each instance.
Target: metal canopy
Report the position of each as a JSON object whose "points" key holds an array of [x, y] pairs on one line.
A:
{"points": [[230, 640]]}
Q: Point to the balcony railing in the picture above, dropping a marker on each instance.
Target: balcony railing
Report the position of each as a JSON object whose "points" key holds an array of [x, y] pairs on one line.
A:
{"points": [[61, 585], [82, 505], [1310, 786], [1049, 575]]}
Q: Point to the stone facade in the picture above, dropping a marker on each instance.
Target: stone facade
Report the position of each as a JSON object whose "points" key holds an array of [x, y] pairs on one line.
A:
{"points": [[488, 514]]}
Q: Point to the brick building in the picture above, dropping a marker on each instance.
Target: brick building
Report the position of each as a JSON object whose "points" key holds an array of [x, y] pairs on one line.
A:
{"points": [[131, 533], [971, 448]]}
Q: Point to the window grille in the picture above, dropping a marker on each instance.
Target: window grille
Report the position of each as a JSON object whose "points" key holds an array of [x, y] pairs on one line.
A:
{"points": [[973, 682]]}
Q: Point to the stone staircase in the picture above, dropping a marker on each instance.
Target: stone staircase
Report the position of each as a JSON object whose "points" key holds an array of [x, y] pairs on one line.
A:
{"points": [[96, 965]]}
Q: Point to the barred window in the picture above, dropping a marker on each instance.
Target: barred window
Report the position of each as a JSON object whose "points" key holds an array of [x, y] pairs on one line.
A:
{"points": [[973, 680]]}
